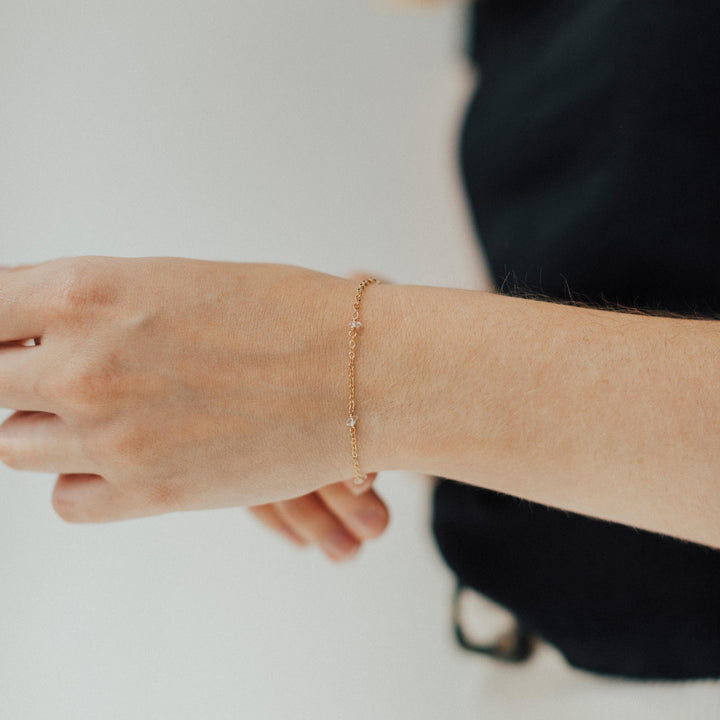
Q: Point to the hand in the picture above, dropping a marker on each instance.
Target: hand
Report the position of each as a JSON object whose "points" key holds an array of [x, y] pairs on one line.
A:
{"points": [[335, 518], [164, 384]]}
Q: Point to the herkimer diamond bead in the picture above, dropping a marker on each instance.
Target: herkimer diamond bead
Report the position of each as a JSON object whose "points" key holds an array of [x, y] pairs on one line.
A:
{"points": [[355, 324], [351, 421]]}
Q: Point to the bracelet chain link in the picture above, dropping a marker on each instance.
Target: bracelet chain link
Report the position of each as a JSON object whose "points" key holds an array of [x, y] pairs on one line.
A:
{"points": [[355, 325]]}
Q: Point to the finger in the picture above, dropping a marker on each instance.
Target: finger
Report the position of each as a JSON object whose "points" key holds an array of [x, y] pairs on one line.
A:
{"points": [[269, 517], [19, 268], [20, 369], [41, 442], [23, 311], [366, 515], [92, 499], [358, 488], [310, 518]]}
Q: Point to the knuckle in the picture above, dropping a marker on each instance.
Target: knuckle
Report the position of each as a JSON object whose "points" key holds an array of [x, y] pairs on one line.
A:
{"points": [[67, 509], [128, 442], [10, 456], [84, 383], [83, 285], [113, 444], [162, 495], [96, 381], [64, 510]]}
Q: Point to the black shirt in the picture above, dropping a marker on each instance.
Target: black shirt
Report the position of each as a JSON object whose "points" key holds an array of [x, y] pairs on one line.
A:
{"points": [[590, 153]]}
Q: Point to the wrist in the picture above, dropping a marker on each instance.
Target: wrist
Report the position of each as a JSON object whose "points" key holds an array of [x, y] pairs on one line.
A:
{"points": [[381, 356], [414, 407], [421, 352], [411, 366], [383, 378]]}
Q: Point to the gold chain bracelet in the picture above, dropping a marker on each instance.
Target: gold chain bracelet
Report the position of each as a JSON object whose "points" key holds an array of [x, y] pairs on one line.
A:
{"points": [[355, 325]]}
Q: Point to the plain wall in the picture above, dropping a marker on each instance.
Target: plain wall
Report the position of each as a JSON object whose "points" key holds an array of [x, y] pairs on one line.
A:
{"points": [[316, 133]]}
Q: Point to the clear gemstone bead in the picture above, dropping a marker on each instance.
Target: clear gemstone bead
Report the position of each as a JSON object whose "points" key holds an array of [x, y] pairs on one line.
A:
{"points": [[360, 480], [355, 324], [351, 421]]}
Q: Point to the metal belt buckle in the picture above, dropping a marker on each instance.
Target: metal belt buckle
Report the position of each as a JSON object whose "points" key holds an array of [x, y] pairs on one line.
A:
{"points": [[511, 641]]}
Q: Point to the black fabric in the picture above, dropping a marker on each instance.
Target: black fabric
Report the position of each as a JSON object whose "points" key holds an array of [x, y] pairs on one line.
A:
{"points": [[590, 154]]}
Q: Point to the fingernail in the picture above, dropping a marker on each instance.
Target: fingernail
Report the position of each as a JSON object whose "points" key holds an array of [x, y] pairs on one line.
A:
{"points": [[339, 543], [369, 519]]}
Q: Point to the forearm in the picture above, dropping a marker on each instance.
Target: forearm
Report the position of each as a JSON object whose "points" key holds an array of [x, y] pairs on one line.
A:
{"points": [[608, 414]]}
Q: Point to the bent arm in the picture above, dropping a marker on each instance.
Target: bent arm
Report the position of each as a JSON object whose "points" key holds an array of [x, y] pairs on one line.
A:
{"points": [[608, 414]]}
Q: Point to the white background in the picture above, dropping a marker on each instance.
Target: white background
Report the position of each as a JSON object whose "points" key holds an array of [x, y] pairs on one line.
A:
{"points": [[320, 133]]}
